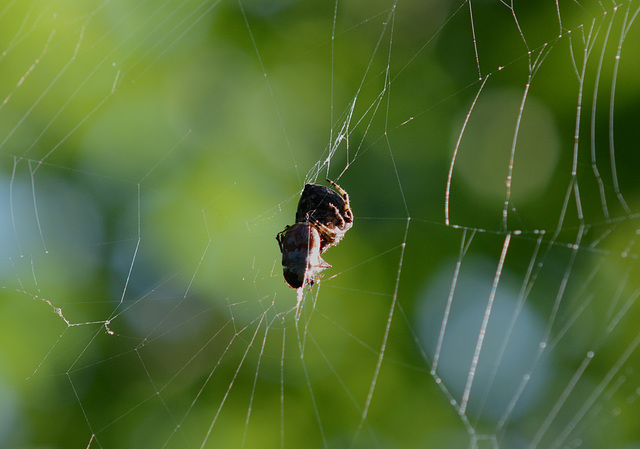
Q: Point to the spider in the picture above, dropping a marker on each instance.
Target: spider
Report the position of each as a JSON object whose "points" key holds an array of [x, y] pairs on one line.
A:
{"points": [[322, 219]]}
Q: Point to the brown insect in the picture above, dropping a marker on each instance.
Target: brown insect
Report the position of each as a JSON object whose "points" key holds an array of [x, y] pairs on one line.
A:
{"points": [[322, 219]]}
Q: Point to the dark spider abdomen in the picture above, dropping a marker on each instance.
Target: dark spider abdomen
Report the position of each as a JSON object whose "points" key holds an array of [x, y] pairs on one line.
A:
{"points": [[324, 205], [328, 210]]}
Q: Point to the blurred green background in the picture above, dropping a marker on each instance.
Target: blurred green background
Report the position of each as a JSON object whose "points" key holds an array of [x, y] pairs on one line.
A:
{"points": [[152, 151]]}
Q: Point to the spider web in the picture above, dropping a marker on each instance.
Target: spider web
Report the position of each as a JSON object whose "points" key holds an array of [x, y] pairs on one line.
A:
{"points": [[486, 296]]}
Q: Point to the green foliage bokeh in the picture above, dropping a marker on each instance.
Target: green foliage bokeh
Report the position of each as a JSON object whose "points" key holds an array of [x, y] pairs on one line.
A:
{"points": [[151, 153]]}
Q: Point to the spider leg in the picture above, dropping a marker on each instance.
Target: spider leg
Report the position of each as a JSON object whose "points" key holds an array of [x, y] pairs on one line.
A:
{"points": [[328, 236], [345, 196], [341, 222], [322, 228], [340, 190]]}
